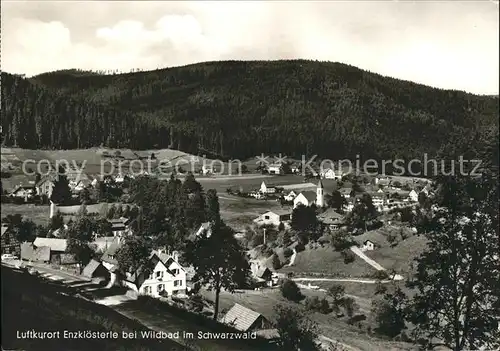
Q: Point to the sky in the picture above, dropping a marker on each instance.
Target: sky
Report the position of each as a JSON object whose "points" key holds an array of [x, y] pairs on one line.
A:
{"points": [[450, 45]]}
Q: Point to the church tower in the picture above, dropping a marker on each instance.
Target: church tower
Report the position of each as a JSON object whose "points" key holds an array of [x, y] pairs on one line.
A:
{"points": [[320, 195]]}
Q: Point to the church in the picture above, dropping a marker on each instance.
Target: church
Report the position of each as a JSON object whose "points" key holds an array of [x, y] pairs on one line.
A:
{"points": [[309, 198]]}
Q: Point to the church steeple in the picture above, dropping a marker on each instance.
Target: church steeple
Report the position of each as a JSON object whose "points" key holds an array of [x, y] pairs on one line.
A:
{"points": [[320, 195]]}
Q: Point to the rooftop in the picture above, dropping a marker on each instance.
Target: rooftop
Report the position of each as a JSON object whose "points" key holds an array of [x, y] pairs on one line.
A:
{"points": [[240, 317]]}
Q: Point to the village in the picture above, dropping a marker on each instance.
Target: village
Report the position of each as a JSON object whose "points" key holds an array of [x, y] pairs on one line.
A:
{"points": [[342, 215]]}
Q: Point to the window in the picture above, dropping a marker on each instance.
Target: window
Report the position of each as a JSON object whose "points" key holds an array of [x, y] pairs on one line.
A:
{"points": [[147, 290], [159, 274], [175, 271], [266, 217], [160, 287], [177, 282]]}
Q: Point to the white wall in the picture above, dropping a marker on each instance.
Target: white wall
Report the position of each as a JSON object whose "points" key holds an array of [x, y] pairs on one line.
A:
{"points": [[161, 277]]}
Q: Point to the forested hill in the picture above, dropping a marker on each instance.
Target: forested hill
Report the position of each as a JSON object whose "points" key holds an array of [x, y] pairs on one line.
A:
{"points": [[240, 109]]}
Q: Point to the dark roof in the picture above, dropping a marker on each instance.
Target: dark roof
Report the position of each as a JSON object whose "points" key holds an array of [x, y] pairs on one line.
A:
{"points": [[5, 228], [309, 195], [331, 213], [90, 268], [240, 317], [22, 187], [111, 251]]}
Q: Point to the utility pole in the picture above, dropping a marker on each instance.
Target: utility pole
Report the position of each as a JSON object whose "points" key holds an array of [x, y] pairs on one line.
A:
{"points": [[264, 236]]}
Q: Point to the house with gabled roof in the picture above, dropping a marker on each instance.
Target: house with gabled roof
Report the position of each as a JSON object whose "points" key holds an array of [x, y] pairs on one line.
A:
{"points": [[45, 185], [274, 217], [290, 196], [244, 319], [120, 226], [266, 189], [35, 254], [23, 191], [10, 244], [95, 269], [275, 168], [164, 277], [261, 274], [309, 198], [58, 250], [332, 219]]}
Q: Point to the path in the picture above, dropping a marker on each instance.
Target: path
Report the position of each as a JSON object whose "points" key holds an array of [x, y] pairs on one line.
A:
{"points": [[232, 177], [350, 280], [292, 258], [356, 250]]}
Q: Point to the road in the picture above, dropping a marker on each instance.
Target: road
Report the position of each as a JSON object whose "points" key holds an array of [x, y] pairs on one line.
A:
{"points": [[351, 280]]}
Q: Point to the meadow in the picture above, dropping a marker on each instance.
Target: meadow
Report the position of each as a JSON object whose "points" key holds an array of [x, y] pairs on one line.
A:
{"points": [[329, 325]]}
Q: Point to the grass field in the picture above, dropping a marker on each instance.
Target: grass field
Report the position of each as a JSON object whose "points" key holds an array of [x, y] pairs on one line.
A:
{"points": [[266, 300], [38, 214], [400, 257], [328, 262]]}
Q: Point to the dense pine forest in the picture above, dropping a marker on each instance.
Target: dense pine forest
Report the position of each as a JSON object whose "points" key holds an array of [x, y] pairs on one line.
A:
{"points": [[240, 109]]}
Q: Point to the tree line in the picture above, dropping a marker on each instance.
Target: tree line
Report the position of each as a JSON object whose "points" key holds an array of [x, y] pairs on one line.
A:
{"points": [[240, 109]]}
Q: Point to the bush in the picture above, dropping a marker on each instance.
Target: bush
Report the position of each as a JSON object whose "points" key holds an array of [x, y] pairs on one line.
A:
{"points": [[348, 256], [281, 227], [287, 252], [275, 261], [316, 304], [349, 306], [267, 251], [380, 288], [381, 275], [291, 291], [256, 240]]}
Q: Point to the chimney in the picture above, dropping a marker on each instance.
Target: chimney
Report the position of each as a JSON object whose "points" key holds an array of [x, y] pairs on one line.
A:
{"points": [[175, 256], [53, 208]]}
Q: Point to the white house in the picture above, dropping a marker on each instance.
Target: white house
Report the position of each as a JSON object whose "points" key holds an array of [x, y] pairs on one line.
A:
{"points": [[332, 219], [294, 169], [378, 200], [382, 180], [413, 195], [120, 226], [23, 191], [346, 192], [309, 198], [207, 169], [119, 178], [166, 277], [275, 168], [44, 186], [264, 189], [368, 246], [204, 227], [290, 196], [274, 217], [329, 173]]}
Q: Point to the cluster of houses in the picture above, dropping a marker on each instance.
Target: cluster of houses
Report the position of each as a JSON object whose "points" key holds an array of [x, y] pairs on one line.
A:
{"points": [[77, 179]]}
